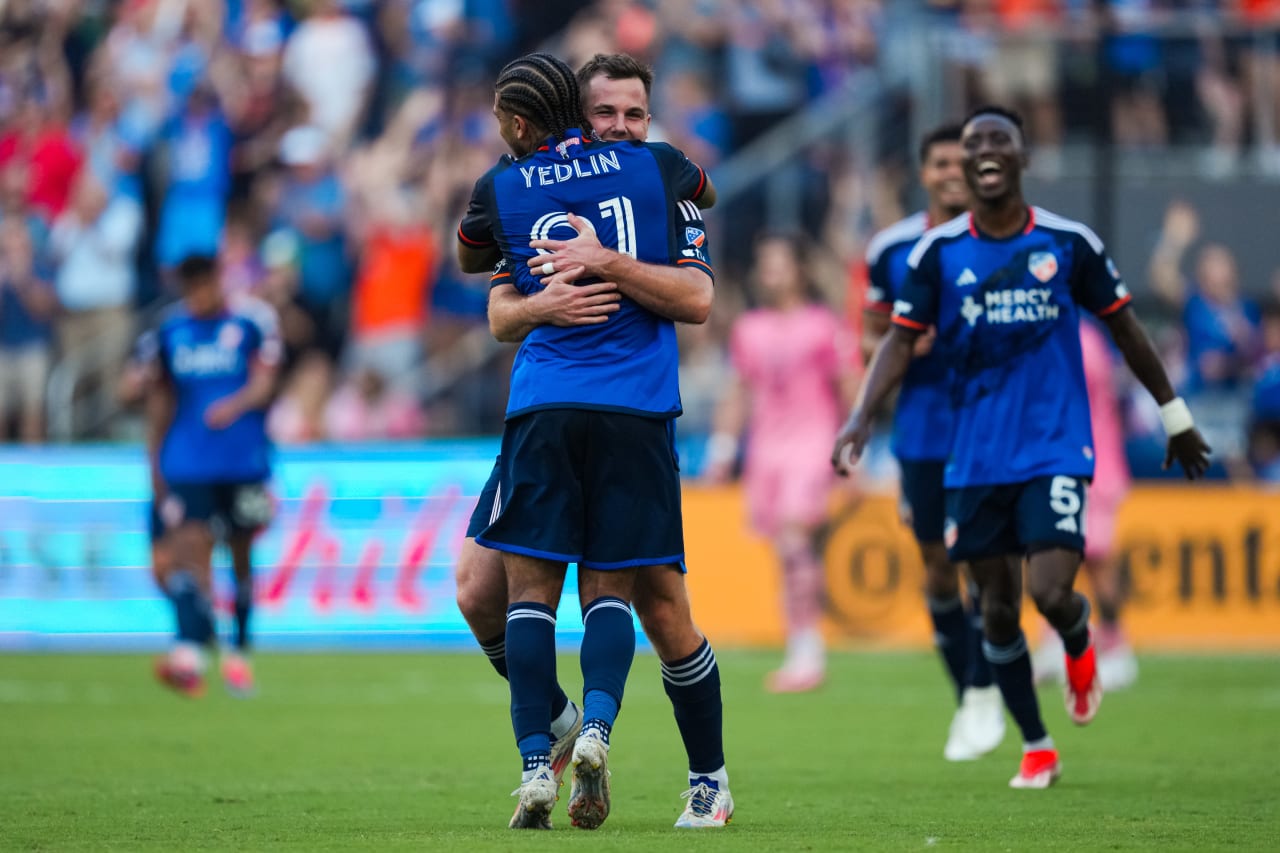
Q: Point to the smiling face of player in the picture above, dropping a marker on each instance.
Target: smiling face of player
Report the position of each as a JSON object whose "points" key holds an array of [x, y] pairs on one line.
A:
{"points": [[942, 176], [994, 157], [618, 109]]}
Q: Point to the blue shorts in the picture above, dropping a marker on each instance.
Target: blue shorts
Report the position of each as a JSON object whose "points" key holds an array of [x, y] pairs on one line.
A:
{"points": [[924, 495], [226, 507], [1015, 518], [487, 505], [601, 489]]}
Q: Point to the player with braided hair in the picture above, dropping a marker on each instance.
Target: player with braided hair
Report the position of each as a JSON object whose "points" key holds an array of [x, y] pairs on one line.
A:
{"points": [[587, 473]]}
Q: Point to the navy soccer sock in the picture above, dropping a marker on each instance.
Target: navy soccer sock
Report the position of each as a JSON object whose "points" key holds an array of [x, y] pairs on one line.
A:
{"points": [[195, 619], [243, 609], [979, 674], [531, 635], [1012, 667], [608, 647], [693, 685], [951, 636], [495, 649], [1075, 640]]}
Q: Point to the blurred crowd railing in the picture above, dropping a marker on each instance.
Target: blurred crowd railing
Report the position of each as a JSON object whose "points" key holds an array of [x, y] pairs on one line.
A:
{"points": [[325, 149]]}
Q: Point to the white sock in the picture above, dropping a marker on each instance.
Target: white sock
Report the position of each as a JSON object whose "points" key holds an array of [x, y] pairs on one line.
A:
{"points": [[1045, 742], [561, 725], [720, 776]]}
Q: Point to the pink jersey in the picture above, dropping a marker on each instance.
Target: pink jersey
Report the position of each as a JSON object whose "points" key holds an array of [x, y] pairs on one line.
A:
{"points": [[1111, 469], [790, 363]]}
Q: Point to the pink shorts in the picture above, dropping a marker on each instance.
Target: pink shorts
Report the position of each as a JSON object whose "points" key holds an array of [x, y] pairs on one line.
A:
{"points": [[782, 492], [1100, 514]]}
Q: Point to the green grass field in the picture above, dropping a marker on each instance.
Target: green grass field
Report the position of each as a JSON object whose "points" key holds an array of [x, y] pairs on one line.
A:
{"points": [[414, 752]]}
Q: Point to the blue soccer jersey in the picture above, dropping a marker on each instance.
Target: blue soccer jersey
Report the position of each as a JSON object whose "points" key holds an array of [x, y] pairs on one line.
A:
{"points": [[206, 359], [1006, 313], [922, 423], [637, 196]]}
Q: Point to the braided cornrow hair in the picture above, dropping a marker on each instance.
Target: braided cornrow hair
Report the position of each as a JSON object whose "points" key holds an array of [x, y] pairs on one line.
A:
{"points": [[543, 90]]}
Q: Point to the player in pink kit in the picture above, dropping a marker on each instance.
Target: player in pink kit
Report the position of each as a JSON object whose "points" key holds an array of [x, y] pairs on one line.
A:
{"points": [[789, 359], [1117, 665]]}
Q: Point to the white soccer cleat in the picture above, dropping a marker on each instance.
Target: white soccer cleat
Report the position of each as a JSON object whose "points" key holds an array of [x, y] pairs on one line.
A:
{"points": [[562, 748], [1046, 662], [1117, 668], [984, 722], [958, 747], [708, 806], [589, 793], [537, 797]]}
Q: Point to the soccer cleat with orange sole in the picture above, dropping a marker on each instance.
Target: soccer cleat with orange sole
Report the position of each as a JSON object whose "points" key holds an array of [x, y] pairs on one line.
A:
{"points": [[1040, 769]]}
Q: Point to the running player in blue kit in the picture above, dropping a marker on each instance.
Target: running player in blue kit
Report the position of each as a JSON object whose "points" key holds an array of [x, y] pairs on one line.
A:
{"points": [[588, 468], [922, 441], [214, 375], [1003, 285]]}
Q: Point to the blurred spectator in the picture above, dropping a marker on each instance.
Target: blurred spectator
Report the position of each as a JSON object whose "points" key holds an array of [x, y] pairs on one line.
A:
{"points": [[297, 416], [1222, 96], [94, 241], [40, 142], [1264, 430], [13, 205], [329, 62], [1133, 54], [99, 134], [198, 178], [312, 206], [1220, 324], [765, 71], [1023, 72], [366, 408], [27, 307], [692, 119], [242, 269]]}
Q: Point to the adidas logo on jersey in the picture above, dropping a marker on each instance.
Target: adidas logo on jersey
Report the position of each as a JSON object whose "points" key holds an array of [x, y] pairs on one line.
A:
{"points": [[967, 278]]}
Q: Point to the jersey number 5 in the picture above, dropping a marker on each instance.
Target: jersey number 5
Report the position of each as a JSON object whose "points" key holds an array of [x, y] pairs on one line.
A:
{"points": [[1066, 501]]}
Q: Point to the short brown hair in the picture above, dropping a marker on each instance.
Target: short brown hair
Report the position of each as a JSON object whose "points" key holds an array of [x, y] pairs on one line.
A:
{"points": [[615, 66]]}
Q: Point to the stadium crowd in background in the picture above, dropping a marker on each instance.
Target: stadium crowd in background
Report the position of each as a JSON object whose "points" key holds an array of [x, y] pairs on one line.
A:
{"points": [[323, 148]]}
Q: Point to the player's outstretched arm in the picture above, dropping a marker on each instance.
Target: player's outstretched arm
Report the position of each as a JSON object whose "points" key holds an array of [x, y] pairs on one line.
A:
{"points": [[512, 315], [888, 366], [679, 293], [1186, 445]]}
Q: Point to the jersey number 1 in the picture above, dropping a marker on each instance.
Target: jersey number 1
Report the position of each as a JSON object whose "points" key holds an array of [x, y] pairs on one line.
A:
{"points": [[618, 208]]}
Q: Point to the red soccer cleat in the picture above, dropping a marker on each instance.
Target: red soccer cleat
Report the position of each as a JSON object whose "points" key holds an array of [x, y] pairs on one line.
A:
{"points": [[1084, 687], [238, 675], [188, 682], [1040, 769]]}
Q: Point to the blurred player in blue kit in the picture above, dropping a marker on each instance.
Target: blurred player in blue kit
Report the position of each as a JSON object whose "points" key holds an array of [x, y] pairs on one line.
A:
{"points": [[922, 428], [588, 470], [615, 90], [1003, 285], [212, 376]]}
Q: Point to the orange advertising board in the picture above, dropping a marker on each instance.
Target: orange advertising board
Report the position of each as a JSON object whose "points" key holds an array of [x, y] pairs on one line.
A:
{"points": [[1202, 563]]}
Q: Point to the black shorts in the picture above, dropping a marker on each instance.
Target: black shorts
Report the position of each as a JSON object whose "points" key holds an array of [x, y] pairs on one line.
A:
{"points": [[601, 489], [226, 507], [924, 495], [1016, 518], [487, 505]]}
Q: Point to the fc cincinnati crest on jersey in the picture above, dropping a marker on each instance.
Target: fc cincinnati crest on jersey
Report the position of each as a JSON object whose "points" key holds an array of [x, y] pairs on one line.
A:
{"points": [[695, 237], [230, 336], [1042, 265]]}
